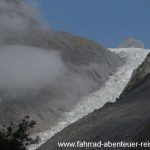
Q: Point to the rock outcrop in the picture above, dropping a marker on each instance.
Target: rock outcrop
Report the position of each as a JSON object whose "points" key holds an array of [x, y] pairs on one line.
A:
{"points": [[139, 75]]}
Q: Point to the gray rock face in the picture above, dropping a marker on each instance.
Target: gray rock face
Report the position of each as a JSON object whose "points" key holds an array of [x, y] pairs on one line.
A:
{"points": [[138, 76], [131, 42], [87, 66], [126, 120]]}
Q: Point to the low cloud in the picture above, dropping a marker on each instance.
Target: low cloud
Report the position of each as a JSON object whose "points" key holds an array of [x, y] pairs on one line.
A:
{"points": [[24, 66]]}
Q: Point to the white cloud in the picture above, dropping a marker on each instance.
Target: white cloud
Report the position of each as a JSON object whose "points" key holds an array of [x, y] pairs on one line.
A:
{"points": [[23, 66]]}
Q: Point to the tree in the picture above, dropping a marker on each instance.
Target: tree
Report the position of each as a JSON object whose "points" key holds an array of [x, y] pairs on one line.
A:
{"points": [[17, 136]]}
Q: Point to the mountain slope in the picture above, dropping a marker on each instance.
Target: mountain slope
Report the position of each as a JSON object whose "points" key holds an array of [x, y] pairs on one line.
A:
{"points": [[45, 73], [126, 120], [138, 76]]}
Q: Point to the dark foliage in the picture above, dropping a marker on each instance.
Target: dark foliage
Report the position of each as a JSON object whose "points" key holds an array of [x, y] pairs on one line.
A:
{"points": [[17, 136]]}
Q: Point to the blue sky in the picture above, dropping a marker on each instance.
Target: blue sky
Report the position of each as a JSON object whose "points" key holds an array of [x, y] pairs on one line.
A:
{"points": [[104, 21]]}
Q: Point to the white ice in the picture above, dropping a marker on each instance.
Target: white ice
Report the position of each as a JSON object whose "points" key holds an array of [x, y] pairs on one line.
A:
{"points": [[107, 93]]}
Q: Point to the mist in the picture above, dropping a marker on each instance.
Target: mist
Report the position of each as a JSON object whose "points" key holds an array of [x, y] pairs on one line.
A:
{"points": [[24, 66], [44, 73], [17, 19]]}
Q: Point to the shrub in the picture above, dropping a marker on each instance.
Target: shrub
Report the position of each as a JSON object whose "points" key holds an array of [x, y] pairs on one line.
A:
{"points": [[17, 136]]}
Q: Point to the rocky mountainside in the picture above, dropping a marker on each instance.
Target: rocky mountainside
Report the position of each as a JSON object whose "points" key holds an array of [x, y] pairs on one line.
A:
{"points": [[126, 120], [43, 72], [131, 42], [138, 76]]}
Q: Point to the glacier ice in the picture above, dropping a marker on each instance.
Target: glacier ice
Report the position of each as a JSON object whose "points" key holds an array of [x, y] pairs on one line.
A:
{"points": [[107, 93]]}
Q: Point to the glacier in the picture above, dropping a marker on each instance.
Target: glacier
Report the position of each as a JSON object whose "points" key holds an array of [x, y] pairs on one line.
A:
{"points": [[107, 93]]}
